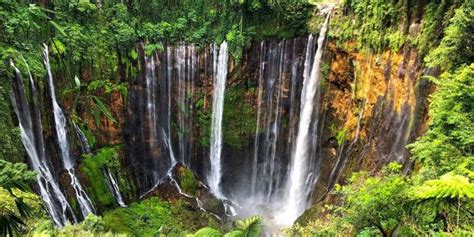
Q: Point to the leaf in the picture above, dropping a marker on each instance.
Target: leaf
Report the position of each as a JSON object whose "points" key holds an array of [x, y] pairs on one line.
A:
{"points": [[208, 232], [103, 108], [449, 186], [78, 82], [58, 47], [133, 54], [58, 27]]}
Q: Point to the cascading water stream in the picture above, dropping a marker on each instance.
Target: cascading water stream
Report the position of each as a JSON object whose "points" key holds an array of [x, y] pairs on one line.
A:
{"points": [[85, 203], [298, 189], [113, 186], [32, 139], [150, 81], [220, 76], [109, 177], [253, 182]]}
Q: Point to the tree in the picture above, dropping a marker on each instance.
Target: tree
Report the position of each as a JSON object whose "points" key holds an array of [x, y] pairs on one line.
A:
{"points": [[450, 137], [377, 202], [457, 46], [450, 198]]}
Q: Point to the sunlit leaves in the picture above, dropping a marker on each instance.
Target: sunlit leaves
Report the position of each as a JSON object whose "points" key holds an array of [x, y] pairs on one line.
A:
{"points": [[450, 137], [448, 186], [457, 45]]}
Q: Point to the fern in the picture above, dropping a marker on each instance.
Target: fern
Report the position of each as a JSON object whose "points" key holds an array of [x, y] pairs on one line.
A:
{"points": [[448, 186], [249, 227], [206, 232]]}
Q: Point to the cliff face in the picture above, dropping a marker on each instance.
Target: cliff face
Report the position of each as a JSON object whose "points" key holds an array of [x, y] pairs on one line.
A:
{"points": [[375, 104], [372, 105]]}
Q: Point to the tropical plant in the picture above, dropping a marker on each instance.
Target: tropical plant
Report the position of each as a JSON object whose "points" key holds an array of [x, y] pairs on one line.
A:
{"points": [[250, 227], [450, 198], [450, 137], [15, 201]]}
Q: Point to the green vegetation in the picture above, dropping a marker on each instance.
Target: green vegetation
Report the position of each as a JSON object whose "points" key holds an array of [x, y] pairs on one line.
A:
{"points": [[250, 227], [381, 25], [455, 47], [10, 145], [98, 226], [238, 120], [94, 165], [450, 137], [94, 58], [436, 199], [91, 226], [187, 181], [17, 203], [154, 217], [389, 202]]}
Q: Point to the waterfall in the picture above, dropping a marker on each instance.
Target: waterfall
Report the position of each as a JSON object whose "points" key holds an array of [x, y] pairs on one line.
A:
{"points": [[299, 183], [166, 130], [85, 203], [29, 119], [342, 159], [109, 177], [253, 182], [84, 144], [220, 76], [150, 83], [113, 186], [185, 60]]}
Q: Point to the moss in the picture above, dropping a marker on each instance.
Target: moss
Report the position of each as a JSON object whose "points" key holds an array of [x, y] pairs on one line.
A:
{"points": [[341, 136], [93, 167], [238, 122], [98, 189], [153, 217], [238, 119], [73, 203], [187, 181]]}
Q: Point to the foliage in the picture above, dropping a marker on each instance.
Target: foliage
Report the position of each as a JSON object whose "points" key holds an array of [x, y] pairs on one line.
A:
{"points": [[10, 145], [449, 186], [341, 136], [238, 117], [450, 137], [456, 46], [449, 199], [376, 22], [381, 25], [206, 232], [382, 204], [376, 202], [187, 181], [93, 103], [94, 167], [250, 227], [203, 120], [17, 204], [153, 217], [91, 226], [435, 19]]}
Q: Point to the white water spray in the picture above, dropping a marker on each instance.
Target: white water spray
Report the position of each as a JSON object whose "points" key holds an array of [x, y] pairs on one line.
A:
{"points": [[297, 199], [32, 139], [85, 203], [220, 76]]}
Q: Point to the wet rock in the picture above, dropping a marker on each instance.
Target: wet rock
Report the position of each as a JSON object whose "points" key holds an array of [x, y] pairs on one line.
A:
{"points": [[182, 184]]}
